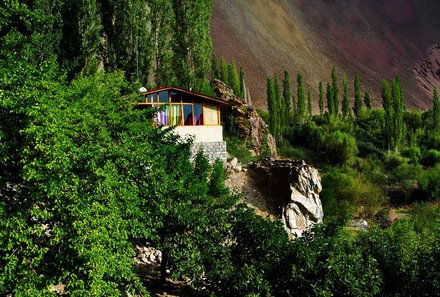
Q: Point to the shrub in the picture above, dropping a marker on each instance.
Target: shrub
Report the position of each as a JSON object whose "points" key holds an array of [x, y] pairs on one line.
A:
{"points": [[413, 153], [431, 157]]}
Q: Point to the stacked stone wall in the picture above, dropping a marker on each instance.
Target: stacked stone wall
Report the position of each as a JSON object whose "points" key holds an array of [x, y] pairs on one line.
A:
{"points": [[212, 150]]}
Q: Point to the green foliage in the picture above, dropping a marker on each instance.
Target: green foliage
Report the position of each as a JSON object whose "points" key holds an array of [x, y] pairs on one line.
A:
{"points": [[287, 93], [346, 109], [242, 92], [309, 103], [335, 91], [436, 110], [217, 186], [367, 100], [239, 149], [357, 96], [301, 99], [321, 99]]}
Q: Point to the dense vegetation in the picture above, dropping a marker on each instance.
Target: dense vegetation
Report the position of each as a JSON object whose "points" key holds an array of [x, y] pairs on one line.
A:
{"points": [[84, 176]]}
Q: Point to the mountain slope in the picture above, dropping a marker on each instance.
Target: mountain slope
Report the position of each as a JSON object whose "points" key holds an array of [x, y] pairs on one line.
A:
{"points": [[377, 38]]}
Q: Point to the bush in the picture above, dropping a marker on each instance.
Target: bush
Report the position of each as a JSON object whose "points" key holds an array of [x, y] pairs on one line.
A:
{"points": [[431, 157], [413, 153]]}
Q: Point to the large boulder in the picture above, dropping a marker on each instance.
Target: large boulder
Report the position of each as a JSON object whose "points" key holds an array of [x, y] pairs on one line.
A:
{"points": [[292, 188], [247, 121]]}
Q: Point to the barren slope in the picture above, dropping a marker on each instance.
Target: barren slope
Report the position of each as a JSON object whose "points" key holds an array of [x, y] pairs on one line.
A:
{"points": [[377, 38]]}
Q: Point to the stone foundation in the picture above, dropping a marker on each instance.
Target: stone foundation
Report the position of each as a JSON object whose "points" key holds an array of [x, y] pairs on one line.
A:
{"points": [[212, 150]]}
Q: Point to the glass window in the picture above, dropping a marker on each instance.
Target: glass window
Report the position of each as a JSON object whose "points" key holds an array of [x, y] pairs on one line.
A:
{"points": [[175, 97], [176, 116], [186, 98], [198, 114], [162, 117], [211, 114], [187, 115], [151, 98], [163, 97]]}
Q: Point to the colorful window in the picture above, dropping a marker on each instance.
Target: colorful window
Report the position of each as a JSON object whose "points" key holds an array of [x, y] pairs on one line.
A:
{"points": [[176, 116], [187, 115], [210, 114], [198, 114], [162, 117]]}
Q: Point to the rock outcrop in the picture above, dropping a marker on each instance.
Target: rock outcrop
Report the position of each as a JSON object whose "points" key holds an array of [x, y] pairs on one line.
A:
{"points": [[427, 71], [292, 188], [247, 121]]}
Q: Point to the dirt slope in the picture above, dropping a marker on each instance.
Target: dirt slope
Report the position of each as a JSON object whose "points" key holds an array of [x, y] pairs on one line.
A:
{"points": [[377, 38]]}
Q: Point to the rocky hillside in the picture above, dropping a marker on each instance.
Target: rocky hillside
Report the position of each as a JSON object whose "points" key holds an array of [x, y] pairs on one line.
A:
{"points": [[377, 38]]}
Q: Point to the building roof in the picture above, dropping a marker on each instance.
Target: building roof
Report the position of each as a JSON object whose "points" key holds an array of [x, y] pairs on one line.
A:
{"points": [[217, 100]]}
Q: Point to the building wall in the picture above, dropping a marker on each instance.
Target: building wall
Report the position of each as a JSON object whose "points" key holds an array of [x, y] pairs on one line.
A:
{"points": [[212, 150], [207, 138], [201, 133]]}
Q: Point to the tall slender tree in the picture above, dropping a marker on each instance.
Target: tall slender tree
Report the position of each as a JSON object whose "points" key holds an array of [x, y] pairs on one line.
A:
{"points": [[436, 110], [399, 127], [242, 84], [234, 79], [335, 91], [329, 97], [271, 105], [224, 75], [301, 109], [321, 99], [346, 110], [214, 67], [389, 113], [357, 96], [287, 92], [367, 100], [280, 118], [309, 103]]}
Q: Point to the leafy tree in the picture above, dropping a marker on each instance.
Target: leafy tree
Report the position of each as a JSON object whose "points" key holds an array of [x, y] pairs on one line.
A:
{"points": [[280, 110], [346, 110], [215, 73], [335, 91], [367, 100], [271, 105], [321, 99], [436, 110], [357, 96], [389, 113], [224, 74], [329, 97], [242, 84], [301, 108], [399, 128], [234, 79], [309, 103], [287, 93]]}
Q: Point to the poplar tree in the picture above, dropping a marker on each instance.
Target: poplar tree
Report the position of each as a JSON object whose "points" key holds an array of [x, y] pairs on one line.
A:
{"points": [[287, 92], [329, 96], [301, 97], [357, 96], [389, 113], [234, 79], [214, 67], [224, 76], [335, 91], [279, 113], [242, 84], [321, 99], [309, 103], [271, 105], [436, 110], [367, 100], [399, 128], [346, 111]]}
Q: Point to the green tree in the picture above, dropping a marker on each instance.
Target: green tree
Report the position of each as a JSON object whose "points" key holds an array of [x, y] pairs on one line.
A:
{"points": [[224, 74], [234, 79], [367, 100], [329, 97], [301, 108], [399, 129], [242, 84], [287, 93], [335, 91], [271, 105], [436, 110], [309, 103], [389, 113], [280, 110], [321, 99], [215, 73], [346, 110], [357, 96]]}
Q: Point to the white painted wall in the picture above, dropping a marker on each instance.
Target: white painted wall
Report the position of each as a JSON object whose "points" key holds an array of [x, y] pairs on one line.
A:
{"points": [[201, 133]]}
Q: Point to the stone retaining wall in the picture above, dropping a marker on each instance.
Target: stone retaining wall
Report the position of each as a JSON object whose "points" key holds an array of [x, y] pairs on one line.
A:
{"points": [[212, 150]]}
